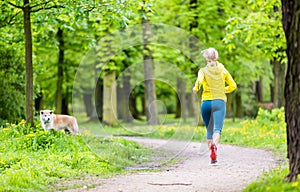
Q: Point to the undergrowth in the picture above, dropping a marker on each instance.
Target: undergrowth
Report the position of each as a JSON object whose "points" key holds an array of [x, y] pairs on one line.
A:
{"points": [[34, 160]]}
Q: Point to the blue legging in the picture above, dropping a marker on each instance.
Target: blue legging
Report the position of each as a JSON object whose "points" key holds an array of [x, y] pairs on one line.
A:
{"points": [[213, 113]]}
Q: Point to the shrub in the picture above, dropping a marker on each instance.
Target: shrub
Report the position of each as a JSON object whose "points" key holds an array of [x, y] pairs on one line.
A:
{"points": [[12, 72]]}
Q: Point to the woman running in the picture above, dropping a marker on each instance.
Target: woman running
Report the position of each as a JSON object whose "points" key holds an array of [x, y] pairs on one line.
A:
{"points": [[213, 77]]}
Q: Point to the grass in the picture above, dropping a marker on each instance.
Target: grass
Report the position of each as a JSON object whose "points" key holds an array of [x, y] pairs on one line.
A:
{"points": [[35, 160], [273, 182]]}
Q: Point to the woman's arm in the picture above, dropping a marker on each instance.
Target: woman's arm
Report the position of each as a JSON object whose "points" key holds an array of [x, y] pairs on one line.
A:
{"points": [[231, 83], [198, 81]]}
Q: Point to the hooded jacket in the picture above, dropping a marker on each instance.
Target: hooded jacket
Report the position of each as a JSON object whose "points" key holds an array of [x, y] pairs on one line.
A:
{"points": [[214, 80]]}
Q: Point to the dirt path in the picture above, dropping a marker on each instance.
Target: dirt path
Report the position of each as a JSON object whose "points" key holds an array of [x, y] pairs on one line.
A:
{"points": [[237, 167]]}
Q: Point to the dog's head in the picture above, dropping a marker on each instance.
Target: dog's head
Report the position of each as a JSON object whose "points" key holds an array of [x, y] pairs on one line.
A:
{"points": [[46, 116]]}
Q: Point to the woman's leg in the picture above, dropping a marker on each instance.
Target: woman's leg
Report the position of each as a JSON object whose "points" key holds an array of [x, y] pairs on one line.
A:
{"points": [[206, 113], [216, 138], [219, 112], [209, 142]]}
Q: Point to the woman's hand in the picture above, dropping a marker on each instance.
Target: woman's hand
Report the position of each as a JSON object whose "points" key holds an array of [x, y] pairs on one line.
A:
{"points": [[195, 90]]}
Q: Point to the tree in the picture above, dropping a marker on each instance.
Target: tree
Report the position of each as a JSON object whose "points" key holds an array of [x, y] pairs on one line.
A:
{"points": [[60, 73], [290, 20], [110, 99], [28, 60], [256, 26], [27, 9], [150, 95]]}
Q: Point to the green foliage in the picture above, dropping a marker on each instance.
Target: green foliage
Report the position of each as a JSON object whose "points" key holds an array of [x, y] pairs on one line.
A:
{"points": [[258, 25], [12, 85], [32, 159]]}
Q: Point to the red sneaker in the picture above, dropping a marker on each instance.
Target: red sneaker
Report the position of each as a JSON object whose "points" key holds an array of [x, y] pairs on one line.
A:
{"points": [[213, 154]]}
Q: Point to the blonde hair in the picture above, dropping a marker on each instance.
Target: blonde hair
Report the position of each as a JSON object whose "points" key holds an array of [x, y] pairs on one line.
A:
{"points": [[211, 54]]}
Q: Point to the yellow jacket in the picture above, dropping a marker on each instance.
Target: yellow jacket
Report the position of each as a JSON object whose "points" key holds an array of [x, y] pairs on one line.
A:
{"points": [[213, 80]]}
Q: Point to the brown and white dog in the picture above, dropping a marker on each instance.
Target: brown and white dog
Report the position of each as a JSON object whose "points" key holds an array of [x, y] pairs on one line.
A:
{"points": [[49, 121]]}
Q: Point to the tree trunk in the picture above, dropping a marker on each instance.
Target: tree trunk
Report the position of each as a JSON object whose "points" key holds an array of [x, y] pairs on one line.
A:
{"points": [[65, 102], [38, 101], [181, 87], [194, 51], [133, 106], [150, 95], [199, 118], [109, 99], [238, 105], [87, 98], [258, 90], [99, 99], [124, 98], [121, 100], [190, 104], [277, 89], [29, 67], [178, 107], [60, 74], [143, 112], [229, 106], [193, 48], [290, 20]]}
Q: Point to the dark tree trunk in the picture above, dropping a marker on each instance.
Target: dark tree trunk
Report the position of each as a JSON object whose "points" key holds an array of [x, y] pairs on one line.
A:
{"points": [[133, 106], [277, 89], [181, 87], [65, 102], [87, 98], [194, 50], [38, 102], [230, 106], [290, 20], [29, 67], [124, 98], [150, 95], [178, 107], [99, 99], [238, 105], [120, 99], [193, 102], [258, 90], [60, 73], [143, 105]]}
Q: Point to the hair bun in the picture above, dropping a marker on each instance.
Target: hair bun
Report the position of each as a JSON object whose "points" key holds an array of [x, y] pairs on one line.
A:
{"points": [[211, 54]]}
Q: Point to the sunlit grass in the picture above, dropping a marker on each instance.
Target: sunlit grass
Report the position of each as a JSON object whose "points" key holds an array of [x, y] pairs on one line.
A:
{"points": [[34, 160], [274, 181]]}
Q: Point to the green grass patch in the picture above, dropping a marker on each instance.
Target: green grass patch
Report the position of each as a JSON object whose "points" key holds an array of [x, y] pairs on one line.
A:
{"points": [[35, 160], [273, 182], [267, 131]]}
